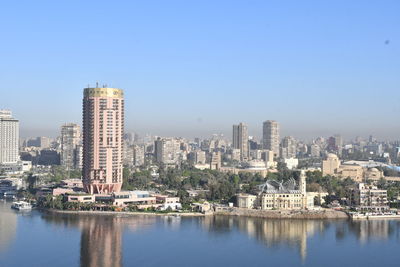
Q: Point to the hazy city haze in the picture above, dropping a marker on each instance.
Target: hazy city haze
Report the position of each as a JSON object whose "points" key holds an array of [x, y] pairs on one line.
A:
{"points": [[197, 68]]}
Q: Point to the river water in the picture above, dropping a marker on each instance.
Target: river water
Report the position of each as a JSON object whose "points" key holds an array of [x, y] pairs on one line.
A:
{"points": [[43, 239]]}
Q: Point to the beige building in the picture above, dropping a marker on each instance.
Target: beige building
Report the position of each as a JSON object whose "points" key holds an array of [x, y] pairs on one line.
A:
{"points": [[351, 169], [280, 196], [81, 198], [282, 201], [246, 201], [235, 154], [268, 156], [330, 165], [215, 161], [355, 172], [374, 174]]}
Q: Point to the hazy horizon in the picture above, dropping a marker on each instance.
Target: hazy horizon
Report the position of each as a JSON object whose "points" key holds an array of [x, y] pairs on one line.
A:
{"points": [[196, 68]]}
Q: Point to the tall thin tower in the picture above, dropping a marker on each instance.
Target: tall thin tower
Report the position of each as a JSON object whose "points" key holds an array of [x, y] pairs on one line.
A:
{"points": [[70, 141], [240, 138], [9, 138], [103, 131], [271, 136]]}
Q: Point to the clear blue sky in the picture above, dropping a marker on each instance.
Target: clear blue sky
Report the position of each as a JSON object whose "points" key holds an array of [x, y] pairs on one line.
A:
{"points": [[196, 67]]}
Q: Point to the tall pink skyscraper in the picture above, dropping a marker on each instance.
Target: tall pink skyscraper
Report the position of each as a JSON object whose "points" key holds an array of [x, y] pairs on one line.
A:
{"points": [[103, 131]]}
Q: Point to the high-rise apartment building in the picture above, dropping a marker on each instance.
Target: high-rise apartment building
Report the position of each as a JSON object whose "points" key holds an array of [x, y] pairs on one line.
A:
{"points": [[271, 136], [288, 147], [167, 150], [70, 146], [103, 132], [9, 138], [138, 155], [241, 140], [315, 151], [335, 144]]}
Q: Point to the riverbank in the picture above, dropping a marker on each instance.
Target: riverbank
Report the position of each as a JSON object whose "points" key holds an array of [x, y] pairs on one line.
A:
{"points": [[125, 213], [267, 214], [321, 214]]}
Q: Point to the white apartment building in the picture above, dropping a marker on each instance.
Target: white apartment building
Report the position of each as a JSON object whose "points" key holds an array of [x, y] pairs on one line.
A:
{"points": [[9, 138]]}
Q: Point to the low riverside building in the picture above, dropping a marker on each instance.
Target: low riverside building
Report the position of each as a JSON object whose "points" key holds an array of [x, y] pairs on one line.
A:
{"points": [[279, 196], [202, 207], [286, 196], [81, 198], [168, 202], [282, 199], [142, 199], [246, 201], [370, 198]]}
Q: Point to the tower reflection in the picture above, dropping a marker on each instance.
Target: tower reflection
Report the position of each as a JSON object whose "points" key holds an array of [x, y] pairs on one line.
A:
{"points": [[101, 243], [8, 225], [101, 235], [101, 238]]}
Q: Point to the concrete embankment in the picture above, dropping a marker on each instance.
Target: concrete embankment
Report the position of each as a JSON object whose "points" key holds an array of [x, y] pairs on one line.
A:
{"points": [[276, 214], [268, 214], [126, 213]]}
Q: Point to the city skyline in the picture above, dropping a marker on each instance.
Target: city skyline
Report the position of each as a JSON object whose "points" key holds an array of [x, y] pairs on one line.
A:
{"points": [[256, 132], [226, 132], [332, 70]]}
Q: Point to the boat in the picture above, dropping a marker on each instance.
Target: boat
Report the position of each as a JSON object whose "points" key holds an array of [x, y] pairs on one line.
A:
{"points": [[21, 205], [386, 215], [357, 216], [373, 215]]}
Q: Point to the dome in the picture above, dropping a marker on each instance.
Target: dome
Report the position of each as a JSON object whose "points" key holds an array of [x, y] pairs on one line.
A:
{"points": [[374, 170]]}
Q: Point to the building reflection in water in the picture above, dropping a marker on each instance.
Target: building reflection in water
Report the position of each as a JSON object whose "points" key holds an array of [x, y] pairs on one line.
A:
{"points": [[272, 233], [101, 235], [101, 242], [8, 225], [367, 230]]}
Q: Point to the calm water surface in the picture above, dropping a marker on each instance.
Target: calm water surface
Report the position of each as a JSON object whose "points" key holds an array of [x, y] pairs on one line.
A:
{"points": [[40, 239]]}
